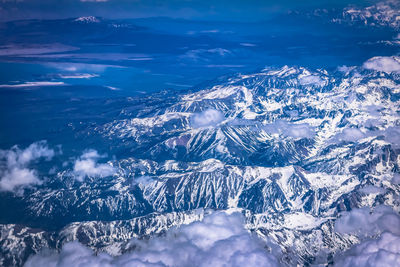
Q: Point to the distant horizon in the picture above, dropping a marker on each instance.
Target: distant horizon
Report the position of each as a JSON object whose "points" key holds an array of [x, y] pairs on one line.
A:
{"points": [[229, 11]]}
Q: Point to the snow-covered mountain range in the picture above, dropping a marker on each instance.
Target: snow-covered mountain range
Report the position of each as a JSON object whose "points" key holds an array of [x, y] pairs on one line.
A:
{"points": [[290, 148]]}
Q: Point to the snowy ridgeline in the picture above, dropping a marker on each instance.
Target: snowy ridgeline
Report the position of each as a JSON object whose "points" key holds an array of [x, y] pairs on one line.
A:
{"points": [[291, 149]]}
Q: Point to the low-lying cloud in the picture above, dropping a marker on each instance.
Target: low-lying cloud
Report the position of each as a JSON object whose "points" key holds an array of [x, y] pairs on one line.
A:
{"points": [[364, 222], [312, 80], [87, 165], [379, 233], [392, 135], [349, 135], [220, 239], [385, 64], [15, 171], [209, 117], [301, 130]]}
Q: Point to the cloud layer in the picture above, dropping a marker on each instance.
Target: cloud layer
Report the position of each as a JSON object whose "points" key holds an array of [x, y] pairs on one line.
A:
{"points": [[87, 165], [220, 239], [383, 250], [15, 173]]}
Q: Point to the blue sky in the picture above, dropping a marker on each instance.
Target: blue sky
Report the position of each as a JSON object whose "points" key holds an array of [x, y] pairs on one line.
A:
{"points": [[236, 10]]}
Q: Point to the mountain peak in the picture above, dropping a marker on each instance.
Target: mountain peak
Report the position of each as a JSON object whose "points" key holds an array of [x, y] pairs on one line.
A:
{"points": [[88, 19]]}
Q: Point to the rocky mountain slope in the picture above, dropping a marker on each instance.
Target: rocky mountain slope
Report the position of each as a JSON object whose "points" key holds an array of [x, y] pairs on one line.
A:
{"points": [[291, 148]]}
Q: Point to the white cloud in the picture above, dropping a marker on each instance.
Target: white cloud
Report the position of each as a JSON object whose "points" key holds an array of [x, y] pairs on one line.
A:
{"points": [[79, 76], [345, 69], [248, 44], [311, 80], [300, 130], [79, 67], [87, 165], [209, 117], [370, 189], [384, 251], [143, 180], [349, 135], [380, 234], [392, 135], [34, 49], [15, 173], [385, 64], [396, 178], [364, 222], [112, 88], [220, 239], [31, 84]]}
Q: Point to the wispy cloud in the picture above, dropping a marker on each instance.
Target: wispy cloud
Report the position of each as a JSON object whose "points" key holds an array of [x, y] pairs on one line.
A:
{"points": [[81, 67], [224, 66], [178, 84], [30, 50], [112, 88], [79, 76], [248, 44], [206, 54], [32, 84], [141, 58], [91, 56]]}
